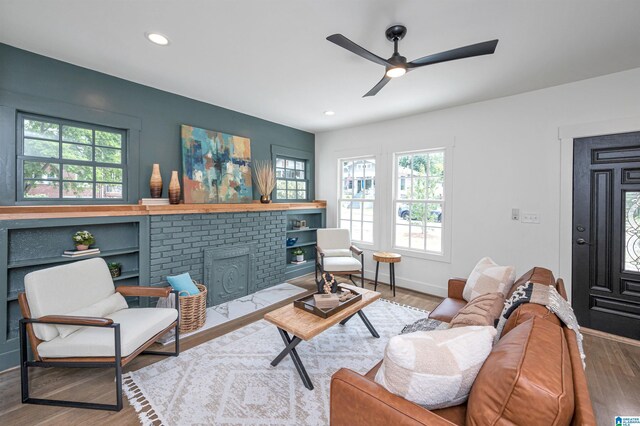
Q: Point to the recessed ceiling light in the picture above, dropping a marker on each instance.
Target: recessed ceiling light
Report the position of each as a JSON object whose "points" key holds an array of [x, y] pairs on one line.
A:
{"points": [[329, 113], [157, 38]]}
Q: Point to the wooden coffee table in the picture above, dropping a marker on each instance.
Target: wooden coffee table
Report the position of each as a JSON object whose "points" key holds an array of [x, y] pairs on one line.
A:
{"points": [[303, 325]]}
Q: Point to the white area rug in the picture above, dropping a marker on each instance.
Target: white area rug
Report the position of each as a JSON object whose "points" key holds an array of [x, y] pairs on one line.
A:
{"points": [[237, 308], [229, 380]]}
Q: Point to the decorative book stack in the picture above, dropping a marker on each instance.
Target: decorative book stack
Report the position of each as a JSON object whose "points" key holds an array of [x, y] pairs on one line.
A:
{"points": [[154, 201], [326, 301], [80, 253]]}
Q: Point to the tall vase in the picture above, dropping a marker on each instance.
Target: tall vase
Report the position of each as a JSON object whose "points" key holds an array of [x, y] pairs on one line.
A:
{"points": [[174, 188], [155, 183]]}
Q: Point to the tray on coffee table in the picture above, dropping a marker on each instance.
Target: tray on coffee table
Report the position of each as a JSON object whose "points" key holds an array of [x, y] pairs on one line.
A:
{"points": [[308, 304]]}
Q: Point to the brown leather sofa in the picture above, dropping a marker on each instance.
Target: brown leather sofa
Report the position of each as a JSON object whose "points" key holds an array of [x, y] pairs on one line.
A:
{"points": [[533, 376]]}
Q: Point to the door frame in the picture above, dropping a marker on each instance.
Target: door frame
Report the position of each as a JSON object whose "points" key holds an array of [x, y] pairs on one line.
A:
{"points": [[566, 136]]}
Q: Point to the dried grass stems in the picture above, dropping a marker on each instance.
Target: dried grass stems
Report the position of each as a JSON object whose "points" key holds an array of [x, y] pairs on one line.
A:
{"points": [[265, 176]]}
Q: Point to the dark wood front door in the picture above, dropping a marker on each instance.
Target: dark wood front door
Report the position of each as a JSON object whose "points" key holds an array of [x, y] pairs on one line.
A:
{"points": [[606, 233]]}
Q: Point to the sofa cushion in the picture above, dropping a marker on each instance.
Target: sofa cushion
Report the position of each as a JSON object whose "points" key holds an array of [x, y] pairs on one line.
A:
{"points": [[435, 368], [447, 309], [66, 288], [100, 309], [341, 264], [488, 277], [456, 414], [483, 310], [525, 312], [136, 327], [530, 364], [537, 275]]}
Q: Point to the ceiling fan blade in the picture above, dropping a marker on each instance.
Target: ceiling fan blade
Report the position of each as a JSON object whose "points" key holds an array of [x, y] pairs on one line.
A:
{"points": [[377, 87], [478, 49], [345, 43]]}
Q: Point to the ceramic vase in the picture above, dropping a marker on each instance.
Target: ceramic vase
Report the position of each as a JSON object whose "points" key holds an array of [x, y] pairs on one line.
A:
{"points": [[174, 188], [155, 184], [81, 247]]}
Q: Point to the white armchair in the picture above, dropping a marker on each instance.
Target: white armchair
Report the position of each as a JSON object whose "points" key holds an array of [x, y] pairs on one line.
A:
{"points": [[335, 254], [73, 316]]}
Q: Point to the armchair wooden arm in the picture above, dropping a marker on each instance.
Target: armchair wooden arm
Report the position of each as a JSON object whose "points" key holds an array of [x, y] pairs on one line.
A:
{"points": [[134, 290], [356, 250], [72, 320]]}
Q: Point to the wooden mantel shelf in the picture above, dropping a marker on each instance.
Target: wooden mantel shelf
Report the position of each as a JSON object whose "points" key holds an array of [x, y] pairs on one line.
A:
{"points": [[47, 212]]}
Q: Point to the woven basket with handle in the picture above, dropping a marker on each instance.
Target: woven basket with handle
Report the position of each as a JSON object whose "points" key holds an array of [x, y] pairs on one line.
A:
{"points": [[193, 309]]}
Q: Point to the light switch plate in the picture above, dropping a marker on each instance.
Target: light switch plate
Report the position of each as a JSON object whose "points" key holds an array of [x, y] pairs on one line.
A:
{"points": [[530, 217], [515, 214]]}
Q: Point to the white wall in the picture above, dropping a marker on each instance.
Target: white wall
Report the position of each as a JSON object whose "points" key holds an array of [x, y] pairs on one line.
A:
{"points": [[506, 154]]}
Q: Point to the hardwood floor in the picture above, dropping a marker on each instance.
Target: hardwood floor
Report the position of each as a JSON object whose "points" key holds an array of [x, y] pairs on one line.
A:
{"points": [[613, 373]]}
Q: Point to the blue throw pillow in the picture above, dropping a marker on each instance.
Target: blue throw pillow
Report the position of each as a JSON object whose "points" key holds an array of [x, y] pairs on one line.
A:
{"points": [[183, 283]]}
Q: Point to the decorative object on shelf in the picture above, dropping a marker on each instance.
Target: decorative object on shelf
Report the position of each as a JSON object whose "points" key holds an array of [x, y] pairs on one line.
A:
{"points": [[155, 183], [83, 240], [81, 253], [115, 268], [299, 224], [326, 301], [216, 167], [345, 295], [298, 252], [154, 201], [265, 179], [174, 188], [291, 241], [327, 284]]}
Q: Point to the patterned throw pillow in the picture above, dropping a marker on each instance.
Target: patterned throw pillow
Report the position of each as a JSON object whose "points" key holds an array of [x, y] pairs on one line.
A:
{"points": [[488, 277], [483, 310], [435, 369]]}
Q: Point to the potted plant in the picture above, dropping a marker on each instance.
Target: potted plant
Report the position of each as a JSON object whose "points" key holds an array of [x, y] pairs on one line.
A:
{"points": [[115, 268], [83, 240], [265, 179], [298, 254]]}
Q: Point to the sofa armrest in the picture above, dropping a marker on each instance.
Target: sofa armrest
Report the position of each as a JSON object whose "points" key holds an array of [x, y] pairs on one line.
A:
{"points": [[72, 320], [134, 290], [456, 286], [356, 250], [356, 400]]}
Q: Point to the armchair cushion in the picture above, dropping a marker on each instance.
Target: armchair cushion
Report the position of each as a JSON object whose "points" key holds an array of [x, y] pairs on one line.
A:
{"points": [[64, 289], [100, 309], [337, 253], [137, 326], [333, 238], [341, 264]]}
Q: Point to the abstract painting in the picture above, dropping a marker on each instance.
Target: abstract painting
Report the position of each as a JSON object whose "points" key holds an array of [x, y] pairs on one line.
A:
{"points": [[216, 167]]}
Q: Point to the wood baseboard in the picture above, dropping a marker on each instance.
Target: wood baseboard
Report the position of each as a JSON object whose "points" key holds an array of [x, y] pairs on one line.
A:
{"points": [[609, 336]]}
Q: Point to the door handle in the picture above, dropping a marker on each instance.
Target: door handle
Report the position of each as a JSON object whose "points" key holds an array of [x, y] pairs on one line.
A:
{"points": [[581, 242]]}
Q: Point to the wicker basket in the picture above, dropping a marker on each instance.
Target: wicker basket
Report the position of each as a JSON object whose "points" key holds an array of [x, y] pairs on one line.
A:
{"points": [[193, 310]]}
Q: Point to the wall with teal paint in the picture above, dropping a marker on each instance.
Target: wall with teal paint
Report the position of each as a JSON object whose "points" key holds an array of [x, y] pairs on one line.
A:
{"points": [[47, 82]]}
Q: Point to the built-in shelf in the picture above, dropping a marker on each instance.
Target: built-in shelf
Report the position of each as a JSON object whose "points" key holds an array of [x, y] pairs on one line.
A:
{"points": [[127, 275], [301, 230], [291, 267], [60, 259], [305, 244]]}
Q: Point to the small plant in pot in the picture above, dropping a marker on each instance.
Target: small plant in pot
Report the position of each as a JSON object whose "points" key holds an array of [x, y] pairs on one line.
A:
{"points": [[298, 254], [115, 268], [83, 240]]}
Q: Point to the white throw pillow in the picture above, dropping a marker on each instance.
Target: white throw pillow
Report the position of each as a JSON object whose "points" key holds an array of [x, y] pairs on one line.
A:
{"points": [[488, 277], [435, 369], [101, 309]]}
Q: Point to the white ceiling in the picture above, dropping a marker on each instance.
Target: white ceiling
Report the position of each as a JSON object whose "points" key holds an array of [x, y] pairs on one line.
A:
{"points": [[270, 58]]}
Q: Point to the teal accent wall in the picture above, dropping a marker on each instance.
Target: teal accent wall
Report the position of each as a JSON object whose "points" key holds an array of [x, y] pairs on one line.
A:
{"points": [[42, 85]]}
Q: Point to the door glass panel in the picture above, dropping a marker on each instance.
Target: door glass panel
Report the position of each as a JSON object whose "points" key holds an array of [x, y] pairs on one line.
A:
{"points": [[632, 231]]}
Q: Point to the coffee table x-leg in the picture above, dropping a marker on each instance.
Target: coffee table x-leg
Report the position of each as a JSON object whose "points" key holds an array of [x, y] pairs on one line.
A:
{"points": [[290, 343]]}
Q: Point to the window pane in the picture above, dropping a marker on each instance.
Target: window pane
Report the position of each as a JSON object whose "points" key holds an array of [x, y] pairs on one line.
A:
{"points": [[434, 214], [356, 230], [41, 129], [299, 174], [279, 173], [290, 164], [367, 232], [345, 224], [419, 165], [41, 189], [41, 170], [281, 184], [38, 148], [345, 210], [417, 237], [77, 190], [279, 162], [108, 190], [434, 239], [75, 172], [108, 155], [631, 230], [418, 213], [403, 213], [436, 164], [291, 195], [291, 184], [281, 194], [77, 134], [367, 212], [300, 165], [113, 140], [419, 186], [302, 195], [302, 185], [108, 174], [76, 152], [435, 189], [290, 174]]}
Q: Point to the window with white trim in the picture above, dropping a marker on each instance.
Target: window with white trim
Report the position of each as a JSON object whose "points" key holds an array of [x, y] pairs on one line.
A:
{"points": [[357, 195], [65, 160], [291, 179], [419, 201]]}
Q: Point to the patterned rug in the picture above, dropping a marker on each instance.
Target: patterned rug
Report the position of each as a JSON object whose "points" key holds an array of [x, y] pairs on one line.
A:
{"points": [[229, 380]]}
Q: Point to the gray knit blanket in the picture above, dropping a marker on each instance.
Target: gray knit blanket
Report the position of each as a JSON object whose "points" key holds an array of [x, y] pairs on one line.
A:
{"points": [[545, 295]]}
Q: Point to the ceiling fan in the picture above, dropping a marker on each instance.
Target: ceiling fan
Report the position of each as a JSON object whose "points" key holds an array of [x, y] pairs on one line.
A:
{"points": [[397, 65]]}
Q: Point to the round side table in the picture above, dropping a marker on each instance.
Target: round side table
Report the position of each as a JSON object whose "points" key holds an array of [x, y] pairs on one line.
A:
{"points": [[391, 259]]}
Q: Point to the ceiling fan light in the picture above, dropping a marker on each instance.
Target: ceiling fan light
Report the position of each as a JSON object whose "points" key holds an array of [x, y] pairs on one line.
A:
{"points": [[396, 72]]}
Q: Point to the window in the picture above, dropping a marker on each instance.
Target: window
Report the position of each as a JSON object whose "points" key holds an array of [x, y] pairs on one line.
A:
{"points": [[64, 160], [357, 197], [291, 179], [419, 201]]}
